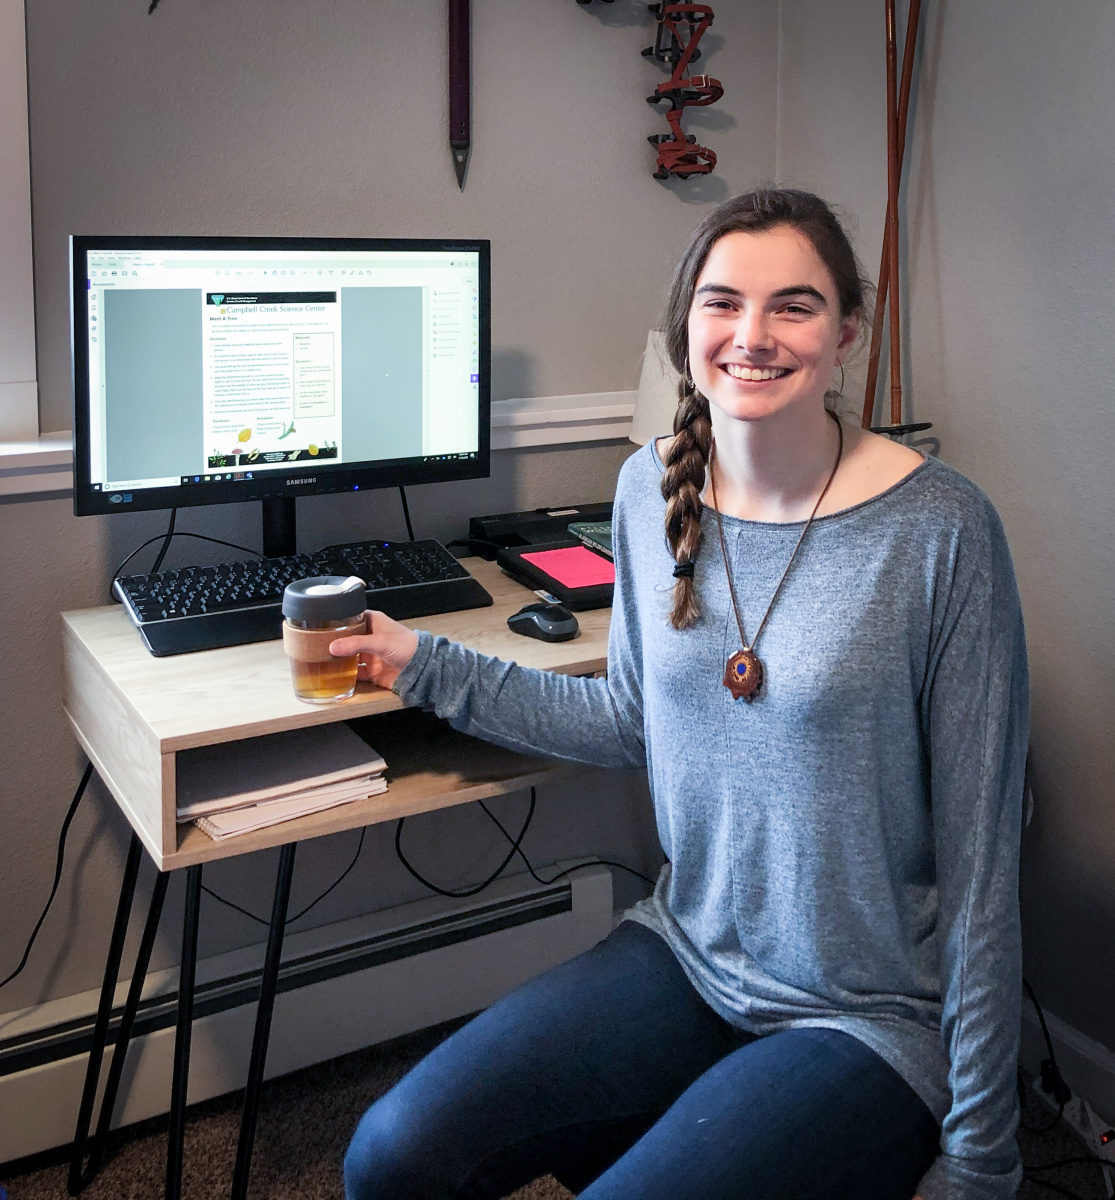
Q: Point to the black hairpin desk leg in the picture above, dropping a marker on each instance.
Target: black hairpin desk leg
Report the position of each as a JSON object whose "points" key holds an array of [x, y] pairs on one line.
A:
{"points": [[127, 1020], [266, 1007], [182, 1035], [78, 1176]]}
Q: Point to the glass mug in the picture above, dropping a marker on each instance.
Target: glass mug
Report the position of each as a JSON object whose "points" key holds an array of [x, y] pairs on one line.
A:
{"points": [[316, 611]]}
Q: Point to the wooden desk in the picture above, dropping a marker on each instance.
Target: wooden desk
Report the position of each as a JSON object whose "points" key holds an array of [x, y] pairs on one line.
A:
{"points": [[133, 713]]}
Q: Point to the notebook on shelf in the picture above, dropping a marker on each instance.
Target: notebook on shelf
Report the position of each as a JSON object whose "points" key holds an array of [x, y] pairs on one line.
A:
{"points": [[228, 823], [249, 784]]}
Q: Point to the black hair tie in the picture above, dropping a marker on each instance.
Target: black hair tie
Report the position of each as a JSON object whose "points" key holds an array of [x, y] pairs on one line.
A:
{"points": [[684, 570]]}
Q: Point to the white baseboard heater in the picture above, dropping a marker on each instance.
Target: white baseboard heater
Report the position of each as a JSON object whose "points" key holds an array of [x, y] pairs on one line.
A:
{"points": [[342, 987]]}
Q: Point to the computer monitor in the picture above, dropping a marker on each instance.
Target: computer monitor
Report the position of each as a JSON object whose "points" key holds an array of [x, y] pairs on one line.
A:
{"points": [[213, 370]]}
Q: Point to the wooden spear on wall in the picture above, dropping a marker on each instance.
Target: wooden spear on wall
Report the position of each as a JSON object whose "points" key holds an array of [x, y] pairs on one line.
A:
{"points": [[898, 109], [460, 88]]}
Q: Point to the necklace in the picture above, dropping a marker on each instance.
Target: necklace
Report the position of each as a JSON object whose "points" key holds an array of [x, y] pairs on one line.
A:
{"points": [[743, 674]]}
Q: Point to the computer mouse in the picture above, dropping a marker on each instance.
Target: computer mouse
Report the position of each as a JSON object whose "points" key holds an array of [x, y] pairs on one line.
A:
{"points": [[547, 622]]}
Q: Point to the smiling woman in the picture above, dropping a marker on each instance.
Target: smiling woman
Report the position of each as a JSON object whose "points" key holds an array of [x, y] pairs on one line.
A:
{"points": [[765, 306], [758, 345], [821, 997]]}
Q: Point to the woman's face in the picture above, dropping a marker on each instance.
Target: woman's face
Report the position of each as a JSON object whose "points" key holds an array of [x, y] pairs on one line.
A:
{"points": [[765, 331]]}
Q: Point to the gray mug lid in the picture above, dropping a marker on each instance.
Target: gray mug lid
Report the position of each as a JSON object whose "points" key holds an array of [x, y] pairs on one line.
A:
{"points": [[324, 598]]}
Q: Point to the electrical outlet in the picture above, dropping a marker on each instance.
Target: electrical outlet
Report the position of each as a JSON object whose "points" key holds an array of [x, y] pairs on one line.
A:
{"points": [[1096, 1134]]}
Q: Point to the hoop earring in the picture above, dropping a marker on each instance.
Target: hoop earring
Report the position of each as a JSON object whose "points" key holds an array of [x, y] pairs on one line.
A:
{"points": [[689, 383], [841, 366]]}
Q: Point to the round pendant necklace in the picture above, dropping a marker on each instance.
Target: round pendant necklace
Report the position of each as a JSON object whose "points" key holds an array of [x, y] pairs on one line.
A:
{"points": [[743, 674]]}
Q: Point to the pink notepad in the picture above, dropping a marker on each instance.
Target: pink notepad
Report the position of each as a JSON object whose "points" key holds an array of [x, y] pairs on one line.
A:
{"points": [[573, 567]]}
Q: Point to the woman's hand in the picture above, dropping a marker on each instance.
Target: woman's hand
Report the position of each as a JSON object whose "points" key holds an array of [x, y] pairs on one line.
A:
{"points": [[384, 650]]}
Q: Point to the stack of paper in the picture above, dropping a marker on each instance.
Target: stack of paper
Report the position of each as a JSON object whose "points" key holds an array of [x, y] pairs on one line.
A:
{"points": [[240, 786]]}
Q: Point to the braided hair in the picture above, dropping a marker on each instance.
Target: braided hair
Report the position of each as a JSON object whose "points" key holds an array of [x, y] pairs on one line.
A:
{"points": [[686, 462]]}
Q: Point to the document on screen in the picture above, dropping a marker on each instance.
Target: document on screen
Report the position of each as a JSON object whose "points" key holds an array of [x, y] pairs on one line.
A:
{"points": [[271, 378]]}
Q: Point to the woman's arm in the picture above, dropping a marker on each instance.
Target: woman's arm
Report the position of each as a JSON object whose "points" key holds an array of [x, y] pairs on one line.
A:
{"points": [[535, 712], [595, 721], [976, 714]]}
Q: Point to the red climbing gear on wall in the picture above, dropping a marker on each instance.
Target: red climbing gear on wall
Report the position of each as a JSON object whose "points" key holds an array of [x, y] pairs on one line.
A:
{"points": [[680, 27]]}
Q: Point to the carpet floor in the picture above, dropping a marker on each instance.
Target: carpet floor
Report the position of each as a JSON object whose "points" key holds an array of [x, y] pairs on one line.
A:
{"points": [[307, 1118]]}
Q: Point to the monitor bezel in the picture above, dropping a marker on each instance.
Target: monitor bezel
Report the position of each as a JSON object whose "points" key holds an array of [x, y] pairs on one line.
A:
{"points": [[314, 479]]}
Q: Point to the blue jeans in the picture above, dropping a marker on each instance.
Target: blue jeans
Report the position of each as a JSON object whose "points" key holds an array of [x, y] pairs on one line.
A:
{"points": [[612, 1074]]}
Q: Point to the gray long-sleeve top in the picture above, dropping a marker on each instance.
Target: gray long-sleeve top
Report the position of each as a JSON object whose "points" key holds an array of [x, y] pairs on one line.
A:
{"points": [[842, 851]]}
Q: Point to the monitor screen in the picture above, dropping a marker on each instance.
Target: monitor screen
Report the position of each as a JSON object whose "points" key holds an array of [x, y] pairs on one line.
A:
{"points": [[214, 370]]}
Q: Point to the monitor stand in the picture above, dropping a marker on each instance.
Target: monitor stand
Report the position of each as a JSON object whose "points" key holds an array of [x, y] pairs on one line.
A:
{"points": [[280, 537]]}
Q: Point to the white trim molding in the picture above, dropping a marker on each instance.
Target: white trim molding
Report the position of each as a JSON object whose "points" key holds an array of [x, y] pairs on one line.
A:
{"points": [[555, 420], [43, 464]]}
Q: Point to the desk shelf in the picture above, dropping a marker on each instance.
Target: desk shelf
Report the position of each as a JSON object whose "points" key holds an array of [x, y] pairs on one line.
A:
{"points": [[429, 766], [132, 713]]}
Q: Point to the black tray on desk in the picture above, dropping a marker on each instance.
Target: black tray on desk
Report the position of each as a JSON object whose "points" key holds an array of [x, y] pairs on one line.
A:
{"points": [[577, 599]]}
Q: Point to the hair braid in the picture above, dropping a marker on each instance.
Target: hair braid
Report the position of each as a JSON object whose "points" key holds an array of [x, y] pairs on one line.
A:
{"points": [[682, 482]]}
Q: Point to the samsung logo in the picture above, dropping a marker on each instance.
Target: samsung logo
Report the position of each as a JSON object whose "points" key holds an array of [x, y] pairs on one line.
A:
{"points": [[294, 482]]}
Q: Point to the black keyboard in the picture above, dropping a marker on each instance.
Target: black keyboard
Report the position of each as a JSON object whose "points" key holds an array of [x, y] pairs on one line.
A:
{"points": [[201, 608]]}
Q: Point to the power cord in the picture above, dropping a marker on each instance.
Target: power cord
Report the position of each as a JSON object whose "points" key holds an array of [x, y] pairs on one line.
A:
{"points": [[406, 512], [202, 537], [491, 878], [469, 542], [166, 543], [516, 848], [603, 862], [1052, 1081], [86, 775], [313, 903]]}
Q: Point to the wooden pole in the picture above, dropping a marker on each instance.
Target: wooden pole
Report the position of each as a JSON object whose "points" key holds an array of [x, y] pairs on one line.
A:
{"points": [[912, 23]]}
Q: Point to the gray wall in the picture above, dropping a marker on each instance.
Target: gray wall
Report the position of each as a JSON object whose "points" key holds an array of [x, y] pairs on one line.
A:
{"points": [[1009, 254], [287, 117], [282, 117]]}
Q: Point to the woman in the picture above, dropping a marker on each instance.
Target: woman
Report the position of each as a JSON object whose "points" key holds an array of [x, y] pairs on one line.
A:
{"points": [[822, 666]]}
